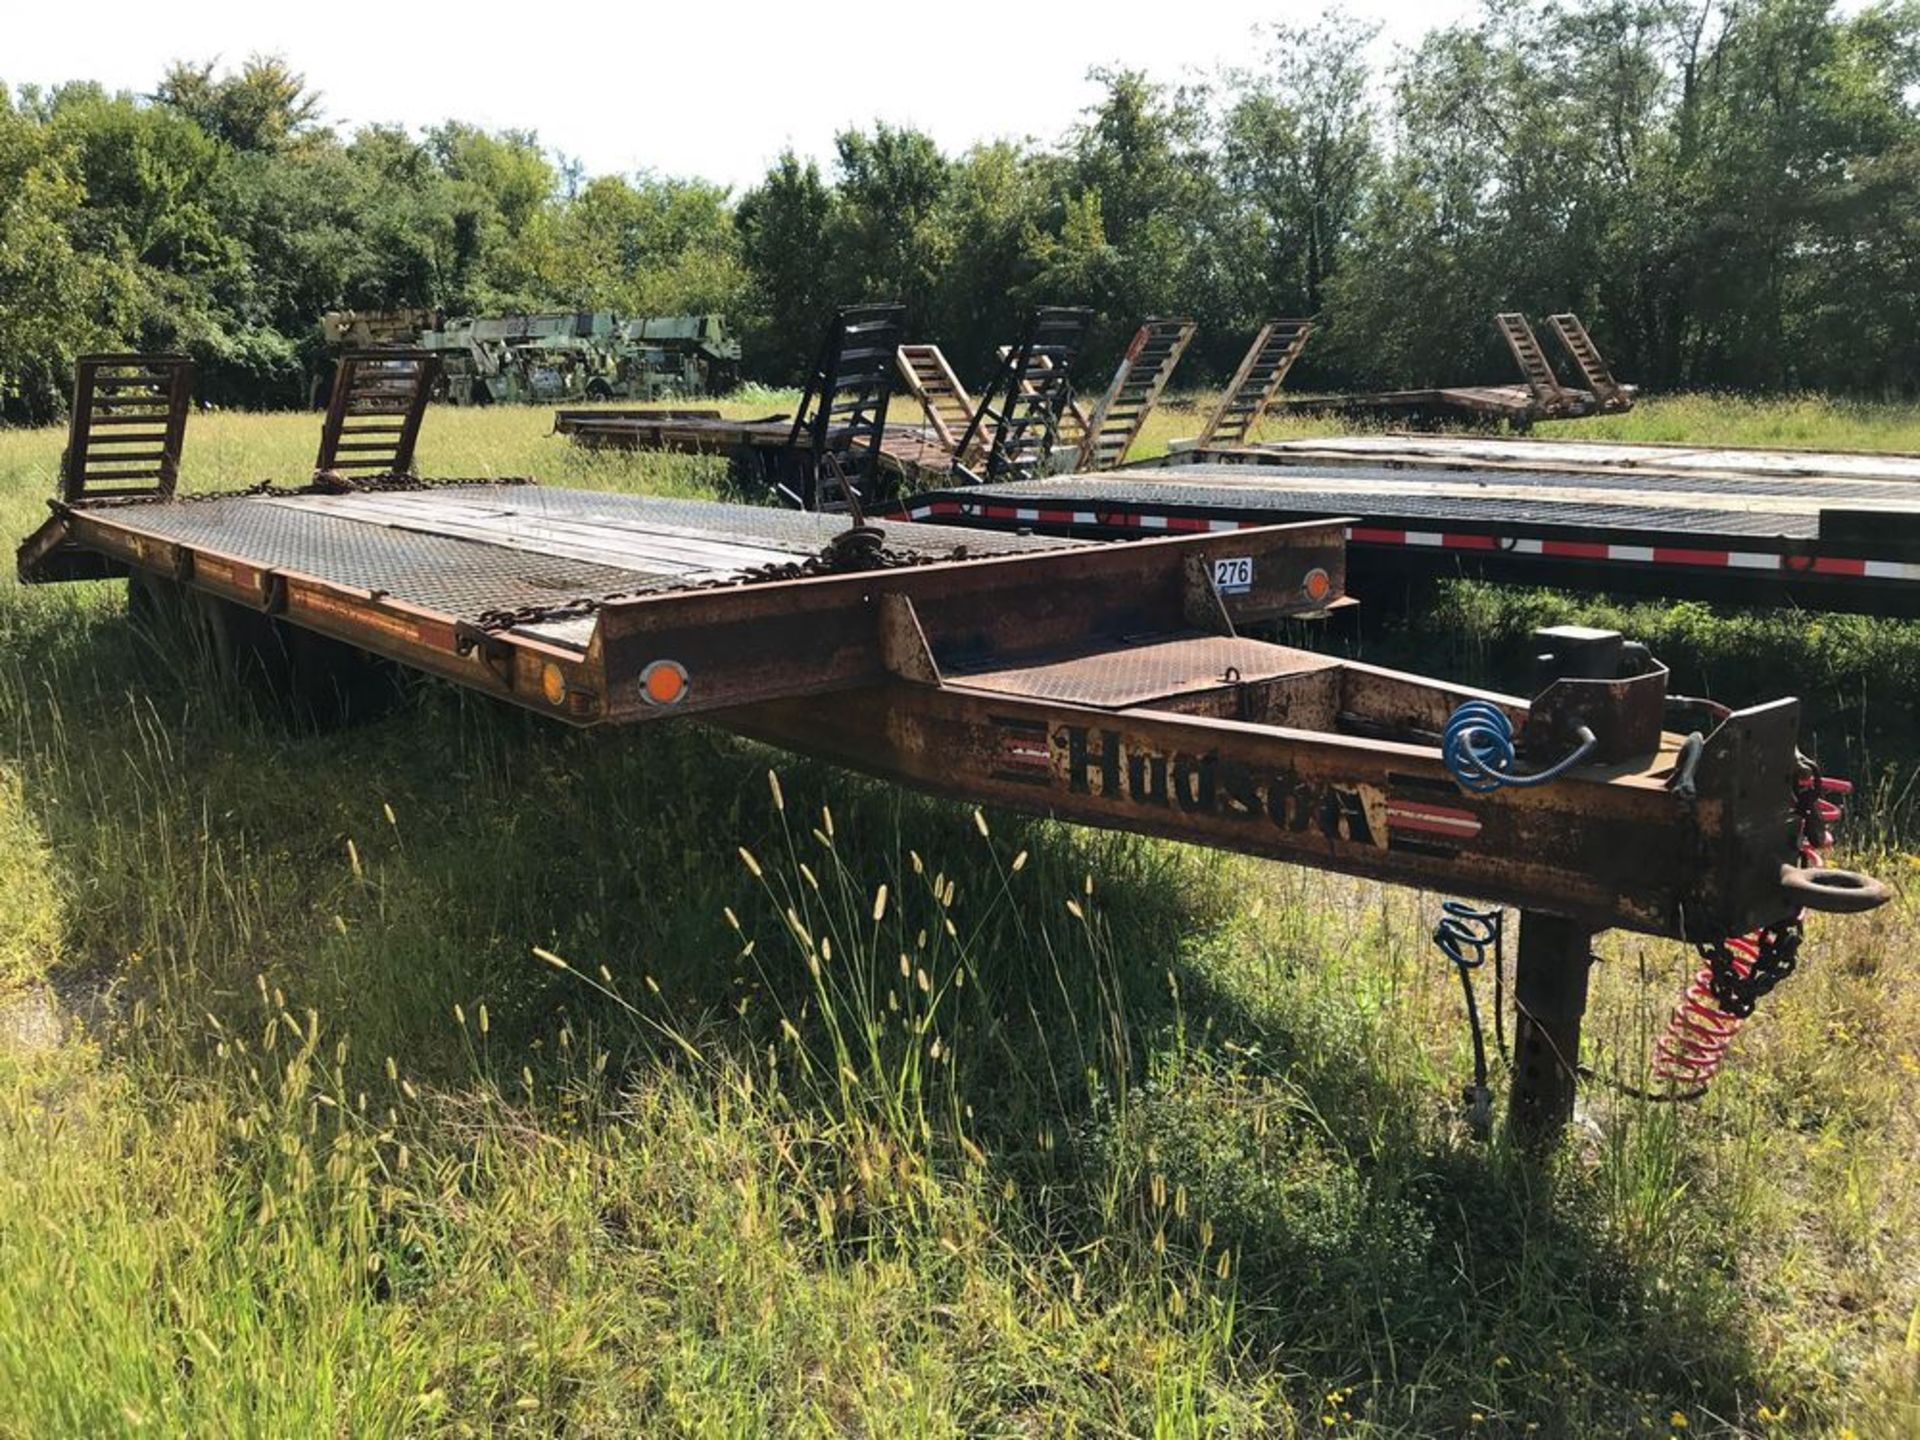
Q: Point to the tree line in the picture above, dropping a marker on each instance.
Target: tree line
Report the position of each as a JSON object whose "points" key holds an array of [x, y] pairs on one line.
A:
{"points": [[1728, 191]]}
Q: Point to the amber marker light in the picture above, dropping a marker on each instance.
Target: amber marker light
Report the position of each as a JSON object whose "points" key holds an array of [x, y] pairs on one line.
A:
{"points": [[664, 682], [553, 684], [1317, 586]]}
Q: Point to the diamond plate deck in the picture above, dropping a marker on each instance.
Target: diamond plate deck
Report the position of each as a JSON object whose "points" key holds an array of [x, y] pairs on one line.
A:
{"points": [[1846, 540], [464, 551], [1115, 676], [1733, 459], [1697, 503]]}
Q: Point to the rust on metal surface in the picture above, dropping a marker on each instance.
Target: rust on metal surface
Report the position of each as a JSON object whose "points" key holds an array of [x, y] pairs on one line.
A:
{"points": [[373, 416], [1073, 679], [129, 421]]}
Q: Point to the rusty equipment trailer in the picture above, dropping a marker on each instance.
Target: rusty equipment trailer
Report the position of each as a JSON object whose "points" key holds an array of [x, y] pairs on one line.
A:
{"points": [[1540, 396], [1823, 531], [1116, 685]]}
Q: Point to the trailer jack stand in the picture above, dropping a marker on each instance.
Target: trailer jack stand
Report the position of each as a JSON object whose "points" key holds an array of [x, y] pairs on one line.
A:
{"points": [[1549, 999]]}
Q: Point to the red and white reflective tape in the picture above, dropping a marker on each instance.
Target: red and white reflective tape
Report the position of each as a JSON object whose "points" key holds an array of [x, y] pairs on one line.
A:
{"points": [[1702, 557], [1674, 555], [1443, 821]]}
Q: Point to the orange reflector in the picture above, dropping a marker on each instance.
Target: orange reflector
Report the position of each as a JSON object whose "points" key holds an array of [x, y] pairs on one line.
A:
{"points": [[664, 682], [1318, 585], [553, 684]]}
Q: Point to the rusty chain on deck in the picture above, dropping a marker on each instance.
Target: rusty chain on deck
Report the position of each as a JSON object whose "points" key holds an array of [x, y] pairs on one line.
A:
{"points": [[328, 482], [858, 548]]}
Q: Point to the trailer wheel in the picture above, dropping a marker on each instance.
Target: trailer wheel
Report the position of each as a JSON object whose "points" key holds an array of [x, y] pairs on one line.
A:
{"points": [[310, 678], [283, 669]]}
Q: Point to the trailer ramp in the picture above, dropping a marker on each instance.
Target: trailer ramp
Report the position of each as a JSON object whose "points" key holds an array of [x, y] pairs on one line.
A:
{"points": [[1263, 370], [1018, 417], [373, 415], [129, 421], [1608, 392], [1137, 383], [1549, 395], [943, 399]]}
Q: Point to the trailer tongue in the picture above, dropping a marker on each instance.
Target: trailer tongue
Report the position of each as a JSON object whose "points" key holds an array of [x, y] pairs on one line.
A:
{"points": [[1116, 685]]}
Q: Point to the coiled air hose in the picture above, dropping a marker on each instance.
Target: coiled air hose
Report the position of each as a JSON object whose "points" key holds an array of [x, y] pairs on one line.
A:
{"points": [[1478, 749]]}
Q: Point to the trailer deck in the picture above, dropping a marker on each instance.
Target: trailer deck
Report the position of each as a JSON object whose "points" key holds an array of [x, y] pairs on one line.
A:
{"points": [[1843, 535], [482, 555], [1606, 456], [1540, 396], [909, 455], [1512, 405]]}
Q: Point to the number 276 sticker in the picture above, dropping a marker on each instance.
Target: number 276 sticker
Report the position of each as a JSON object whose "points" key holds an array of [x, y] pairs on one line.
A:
{"points": [[1233, 575]]}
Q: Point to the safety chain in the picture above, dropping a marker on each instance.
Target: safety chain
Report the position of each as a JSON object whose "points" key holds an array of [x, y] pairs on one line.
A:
{"points": [[332, 482], [1720, 997], [854, 550], [328, 482], [1746, 968], [1776, 951]]}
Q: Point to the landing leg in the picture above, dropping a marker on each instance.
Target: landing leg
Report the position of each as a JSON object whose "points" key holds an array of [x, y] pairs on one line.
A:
{"points": [[1549, 996]]}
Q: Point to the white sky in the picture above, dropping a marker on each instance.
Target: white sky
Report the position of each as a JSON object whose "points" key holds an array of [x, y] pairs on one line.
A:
{"points": [[686, 87]]}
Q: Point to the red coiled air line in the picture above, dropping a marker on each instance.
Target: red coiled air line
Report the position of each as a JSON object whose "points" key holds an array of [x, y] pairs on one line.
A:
{"points": [[1700, 1032]]}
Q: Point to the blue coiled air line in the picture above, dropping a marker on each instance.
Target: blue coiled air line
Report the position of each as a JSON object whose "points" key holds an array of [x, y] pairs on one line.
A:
{"points": [[1477, 747]]}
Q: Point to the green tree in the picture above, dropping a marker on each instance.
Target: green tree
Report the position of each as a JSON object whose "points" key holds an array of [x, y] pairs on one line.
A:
{"points": [[998, 199], [266, 106], [1298, 156], [783, 225], [49, 289], [645, 247], [1141, 164], [889, 233]]}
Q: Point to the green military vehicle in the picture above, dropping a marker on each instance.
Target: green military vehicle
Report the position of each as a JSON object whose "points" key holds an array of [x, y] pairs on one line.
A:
{"points": [[523, 359], [666, 357], [549, 358]]}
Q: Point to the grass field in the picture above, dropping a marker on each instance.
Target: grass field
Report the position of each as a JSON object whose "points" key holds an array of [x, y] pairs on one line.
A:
{"points": [[457, 1075]]}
